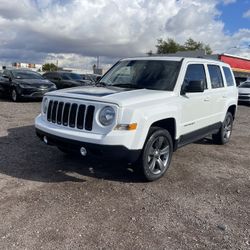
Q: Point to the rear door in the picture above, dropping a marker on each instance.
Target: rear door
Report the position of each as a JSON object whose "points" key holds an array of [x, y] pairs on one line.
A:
{"points": [[218, 93]]}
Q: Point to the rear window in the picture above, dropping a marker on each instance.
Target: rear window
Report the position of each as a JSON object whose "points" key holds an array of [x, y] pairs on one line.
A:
{"points": [[228, 76], [215, 76]]}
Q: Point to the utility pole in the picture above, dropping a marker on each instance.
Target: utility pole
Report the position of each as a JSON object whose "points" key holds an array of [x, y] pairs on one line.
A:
{"points": [[98, 62]]}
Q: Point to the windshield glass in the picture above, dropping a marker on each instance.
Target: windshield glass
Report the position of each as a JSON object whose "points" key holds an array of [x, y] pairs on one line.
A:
{"points": [[245, 85], [148, 74], [21, 74], [71, 76]]}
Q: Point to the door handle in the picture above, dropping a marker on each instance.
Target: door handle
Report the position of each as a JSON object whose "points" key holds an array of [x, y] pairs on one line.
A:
{"points": [[207, 99], [224, 96]]}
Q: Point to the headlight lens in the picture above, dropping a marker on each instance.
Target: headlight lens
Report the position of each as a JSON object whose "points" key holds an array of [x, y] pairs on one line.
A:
{"points": [[107, 116], [45, 105], [25, 85]]}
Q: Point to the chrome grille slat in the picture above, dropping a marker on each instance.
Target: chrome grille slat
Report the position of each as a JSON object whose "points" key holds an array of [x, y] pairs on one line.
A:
{"points": [[73, 115]]}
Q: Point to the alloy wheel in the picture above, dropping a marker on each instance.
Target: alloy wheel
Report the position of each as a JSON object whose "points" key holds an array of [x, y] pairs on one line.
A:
{"points": [[158, 155]]}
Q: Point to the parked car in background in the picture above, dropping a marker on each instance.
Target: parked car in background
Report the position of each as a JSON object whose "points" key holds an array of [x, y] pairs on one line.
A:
{"points": [[20, 83], [244, 92], [64, 79], [93, 78]]}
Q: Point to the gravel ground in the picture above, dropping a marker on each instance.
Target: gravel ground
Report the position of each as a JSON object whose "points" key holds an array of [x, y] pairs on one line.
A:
{"points": [[52, 201]]}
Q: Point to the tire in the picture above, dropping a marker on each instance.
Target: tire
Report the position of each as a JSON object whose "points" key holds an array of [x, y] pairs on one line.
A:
{"points": [[225, 132], [14, 95], [156, 154]]}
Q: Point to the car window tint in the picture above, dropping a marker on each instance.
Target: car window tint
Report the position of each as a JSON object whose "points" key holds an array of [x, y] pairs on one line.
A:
{"points": [[7, 73], [228, 76], [47, 75], [215, 76], [196, 72]]}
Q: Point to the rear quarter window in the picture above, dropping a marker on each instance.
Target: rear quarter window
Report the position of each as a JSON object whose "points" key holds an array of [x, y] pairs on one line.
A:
{"points": [[228, 76]]}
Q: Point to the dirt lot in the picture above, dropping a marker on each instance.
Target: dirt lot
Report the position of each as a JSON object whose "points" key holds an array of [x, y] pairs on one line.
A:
{"points": [[52, 201]]}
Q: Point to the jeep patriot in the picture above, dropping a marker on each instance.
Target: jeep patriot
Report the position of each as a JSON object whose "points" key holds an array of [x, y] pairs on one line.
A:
{"points": [[142, 110]]}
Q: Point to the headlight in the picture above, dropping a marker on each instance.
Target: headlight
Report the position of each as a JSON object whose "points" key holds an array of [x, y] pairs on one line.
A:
{"points": [[45, 105], [53, 86], [25, 86], [107, 116]]}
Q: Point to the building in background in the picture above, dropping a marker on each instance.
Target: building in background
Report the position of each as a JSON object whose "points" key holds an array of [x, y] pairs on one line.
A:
{"points": [[239, 65], [31, 66]]}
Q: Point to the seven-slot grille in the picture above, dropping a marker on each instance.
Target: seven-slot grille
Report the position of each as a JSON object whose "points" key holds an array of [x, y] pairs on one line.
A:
{"points": [[71, 114]]}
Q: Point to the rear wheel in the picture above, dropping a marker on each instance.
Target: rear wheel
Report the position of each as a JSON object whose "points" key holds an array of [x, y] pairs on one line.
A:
{"points": [[157, 153], [224, 134]]}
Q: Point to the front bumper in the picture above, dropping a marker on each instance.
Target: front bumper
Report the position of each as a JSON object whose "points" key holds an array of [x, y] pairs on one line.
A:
{"points": [[105, 151], [244, 98]]}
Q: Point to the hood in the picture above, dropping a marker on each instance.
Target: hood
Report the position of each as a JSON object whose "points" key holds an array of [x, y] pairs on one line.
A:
{"points": [[119, 96], [35, 82]]}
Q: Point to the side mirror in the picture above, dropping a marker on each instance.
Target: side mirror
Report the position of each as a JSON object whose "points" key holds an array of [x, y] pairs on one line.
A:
{"points": [[98, 78], [193, 87]]}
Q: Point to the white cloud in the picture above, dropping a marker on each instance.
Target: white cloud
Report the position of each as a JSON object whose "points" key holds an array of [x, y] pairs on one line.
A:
{"points": [[79, 30], [246, 14]]}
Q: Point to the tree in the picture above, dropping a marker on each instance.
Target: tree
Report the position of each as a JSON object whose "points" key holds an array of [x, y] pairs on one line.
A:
{"points": [[49, 67], [171, 46]]}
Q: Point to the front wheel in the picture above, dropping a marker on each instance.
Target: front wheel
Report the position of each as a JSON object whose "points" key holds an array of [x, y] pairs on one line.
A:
{"points": [[14, 95], [224, 134], [157, 153]]}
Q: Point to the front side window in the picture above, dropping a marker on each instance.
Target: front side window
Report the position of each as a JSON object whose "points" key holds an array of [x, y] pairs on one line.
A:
{"points": [[6, 73], [215, 76], [228, 76], [140, 74], [195, 72], [75, 76]]}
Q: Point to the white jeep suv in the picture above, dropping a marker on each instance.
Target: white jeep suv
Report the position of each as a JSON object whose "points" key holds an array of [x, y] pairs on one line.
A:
{"points": [[142, 110]]}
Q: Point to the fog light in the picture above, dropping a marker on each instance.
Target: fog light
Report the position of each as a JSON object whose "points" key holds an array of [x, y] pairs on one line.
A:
{"points": [[83, 151]]}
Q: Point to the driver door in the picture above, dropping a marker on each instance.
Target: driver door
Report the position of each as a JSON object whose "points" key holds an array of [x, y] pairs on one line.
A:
{"points": [[196, 107]]}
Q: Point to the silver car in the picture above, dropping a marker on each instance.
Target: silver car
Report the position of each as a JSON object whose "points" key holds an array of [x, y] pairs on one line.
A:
{"points": [[244, 92]]}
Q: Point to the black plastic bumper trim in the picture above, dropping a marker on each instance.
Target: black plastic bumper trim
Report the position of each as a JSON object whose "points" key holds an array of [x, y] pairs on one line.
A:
{"points": [[117, 152]]}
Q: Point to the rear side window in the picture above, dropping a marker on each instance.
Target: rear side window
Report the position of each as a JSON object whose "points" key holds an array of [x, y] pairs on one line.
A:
{"points": [[228, 76], [215, 76], [196, 72], [47, 75]]}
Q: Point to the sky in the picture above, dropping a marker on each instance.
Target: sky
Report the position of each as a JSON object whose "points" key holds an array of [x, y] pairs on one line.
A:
{"points": [[75, 32]]}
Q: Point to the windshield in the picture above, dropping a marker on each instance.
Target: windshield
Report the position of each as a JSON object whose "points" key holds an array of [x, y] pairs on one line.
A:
{"points": [[148, 74], [245, 85], [71, 76], [20, 74]]}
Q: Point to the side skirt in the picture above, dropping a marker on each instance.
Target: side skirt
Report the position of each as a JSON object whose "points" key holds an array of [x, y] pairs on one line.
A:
{"points": [[197, 135]]}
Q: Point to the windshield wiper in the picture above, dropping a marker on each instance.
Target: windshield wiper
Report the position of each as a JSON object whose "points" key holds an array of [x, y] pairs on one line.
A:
{"points": [[125, 85]]}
